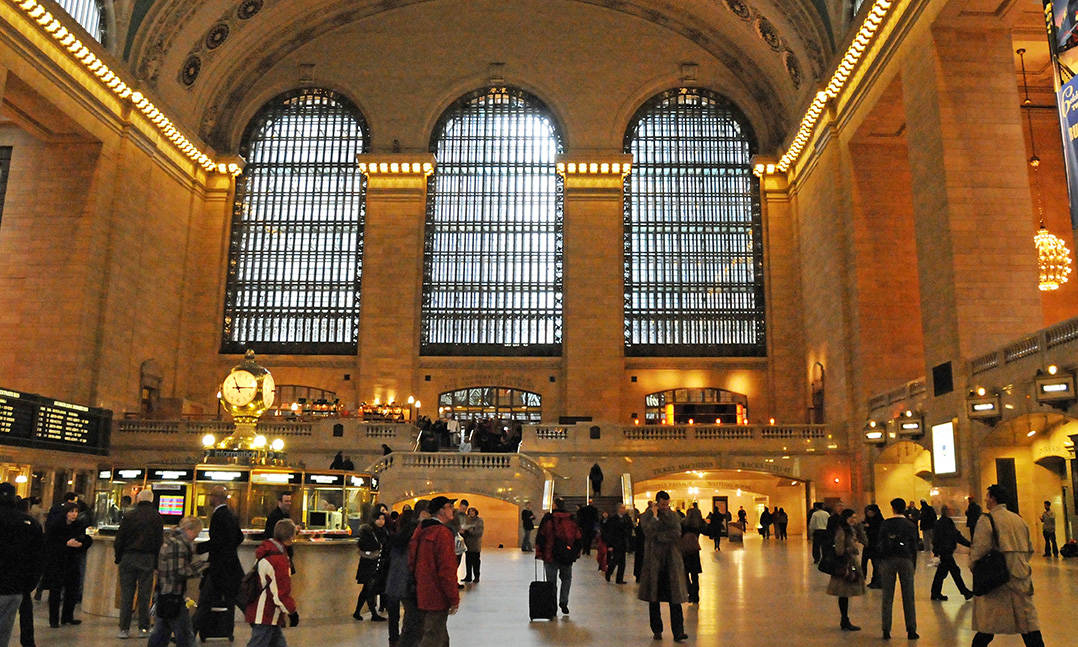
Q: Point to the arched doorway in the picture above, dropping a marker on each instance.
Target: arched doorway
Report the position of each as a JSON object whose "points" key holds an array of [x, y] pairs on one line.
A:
{"points": [[730, 490], [903, 470], [701, 405], [499, 402], [501, 518]]}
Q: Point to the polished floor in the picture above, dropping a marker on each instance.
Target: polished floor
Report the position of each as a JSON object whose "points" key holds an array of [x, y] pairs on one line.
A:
{"points": [[764, 593]]}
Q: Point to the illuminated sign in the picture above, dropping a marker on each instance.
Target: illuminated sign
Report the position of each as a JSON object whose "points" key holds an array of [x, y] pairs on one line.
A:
{"points": [[357, 481], [982, 406], [128, 475], [324, 479], [104, 474], [34, 421], [222, 476], [944, 456], [276, 478], [170, 475], [1055, 388]]}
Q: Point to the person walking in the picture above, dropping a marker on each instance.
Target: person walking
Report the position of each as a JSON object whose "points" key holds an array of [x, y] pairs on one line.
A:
{"points": [[26, 609], [138, 542], [714, 526], [472, 531], [176, 565], [369, 541], [782, 522], [617, 533], [927, 524], [557, 544], [527, 524], [221, 581], [595, 476], [20, 559], [766, 520], [818, 530], [397, 577], [945, 541], [914, 515], [1048, 529], [973, 515], [897, 550], [742, 518], [65, 541], [662, 578], [691, 527], [872, 522], [588, 518], [433, 563], [847, 580], [1008, 609], [274, 606]]}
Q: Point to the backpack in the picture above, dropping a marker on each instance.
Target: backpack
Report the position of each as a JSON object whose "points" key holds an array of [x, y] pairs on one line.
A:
{"points": [[566, 540], [251, 587], [891, 544]]}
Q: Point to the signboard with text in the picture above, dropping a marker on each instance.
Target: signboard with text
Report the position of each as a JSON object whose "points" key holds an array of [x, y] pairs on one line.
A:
{"points": [[31, 420]]}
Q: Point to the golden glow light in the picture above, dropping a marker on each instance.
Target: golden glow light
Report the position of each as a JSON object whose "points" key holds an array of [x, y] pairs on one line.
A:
{"points": [[1054, 260], [594, 168], [54, 27], [854, 53], [208, 440], [277, 444]]}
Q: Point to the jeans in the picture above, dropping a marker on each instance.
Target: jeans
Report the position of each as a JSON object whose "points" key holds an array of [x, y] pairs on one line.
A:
{"points": [[266, 636], [563, 571], [471, 565], [526, 541], [902, 568], [617, 560], [180, 626], [947, 567], [677, 620], [136, 569], [435, 633], [926, 536], [9, 606], [412, 625], [1050, 538], [26, 621]]}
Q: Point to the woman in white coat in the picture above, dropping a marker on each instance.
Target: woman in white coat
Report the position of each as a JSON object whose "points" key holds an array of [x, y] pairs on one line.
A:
{"points": [[1009, 608]]}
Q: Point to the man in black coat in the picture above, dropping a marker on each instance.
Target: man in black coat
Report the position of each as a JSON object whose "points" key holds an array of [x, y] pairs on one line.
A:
{"points": [[946, 540], [617, 533], [221, 583], [928, 524], [897, 550], [20, 559], [138, 542], [586, 517], [973, 514]]}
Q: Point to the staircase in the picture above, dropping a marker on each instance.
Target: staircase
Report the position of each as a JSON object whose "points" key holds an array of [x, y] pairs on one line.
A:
{"points": [[601, 503]]}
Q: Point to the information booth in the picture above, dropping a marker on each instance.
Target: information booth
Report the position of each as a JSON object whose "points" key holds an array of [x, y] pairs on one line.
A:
{"points": [[235, 481], [266, 486]]}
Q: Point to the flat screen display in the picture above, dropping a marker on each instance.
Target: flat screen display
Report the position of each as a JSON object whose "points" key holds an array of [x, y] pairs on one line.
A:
{"points": [[170, 505], [944, 457], [32, 420]]}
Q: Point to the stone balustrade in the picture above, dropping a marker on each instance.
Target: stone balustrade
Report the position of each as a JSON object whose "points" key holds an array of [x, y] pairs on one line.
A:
{"points": [[541, 439]]}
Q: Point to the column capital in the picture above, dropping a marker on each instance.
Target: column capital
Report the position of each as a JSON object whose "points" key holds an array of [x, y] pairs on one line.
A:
{"points": [[594, 171], [396, 171]]}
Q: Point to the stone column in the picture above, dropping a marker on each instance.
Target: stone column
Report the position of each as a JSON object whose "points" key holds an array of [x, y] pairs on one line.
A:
{"points": [[593, 337], [389, 316]]}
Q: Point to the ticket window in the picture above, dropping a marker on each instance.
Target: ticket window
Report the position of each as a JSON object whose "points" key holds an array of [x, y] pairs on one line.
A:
{"points": [[266, 487], [324, 508], [105, 512], [358, 501], [17, 475], [235, 483], [125, 485]]}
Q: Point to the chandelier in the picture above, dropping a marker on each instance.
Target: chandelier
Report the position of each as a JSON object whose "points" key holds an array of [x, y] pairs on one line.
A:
{"points": [[1053, 258]]}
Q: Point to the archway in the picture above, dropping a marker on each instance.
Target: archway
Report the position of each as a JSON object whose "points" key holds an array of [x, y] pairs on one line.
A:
{"points": [[903, 470], [501, 519], [730, 490], [1033, 456]]}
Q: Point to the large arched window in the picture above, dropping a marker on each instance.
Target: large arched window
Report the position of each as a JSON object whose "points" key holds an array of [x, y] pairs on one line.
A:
{"points": [[297, 229], [693, 251], [492, 265], [481, 402], [88, 13]]}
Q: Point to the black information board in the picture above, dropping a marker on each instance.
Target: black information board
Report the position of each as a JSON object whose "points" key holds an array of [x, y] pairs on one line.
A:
{"points": [[31, 420]]}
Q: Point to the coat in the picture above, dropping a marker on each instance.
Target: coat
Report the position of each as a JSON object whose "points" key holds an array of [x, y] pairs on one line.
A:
{"points": [[141, 531], [473, 534], [225, 570], [20, 560], [846, 546], [275, 602], [662, 576], [552, 523], [1008, 609], [370, 544], [433, 563], [62, 561]]}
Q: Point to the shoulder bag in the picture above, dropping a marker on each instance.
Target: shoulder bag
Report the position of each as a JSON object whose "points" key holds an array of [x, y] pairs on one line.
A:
{"points": [[990, 571]]}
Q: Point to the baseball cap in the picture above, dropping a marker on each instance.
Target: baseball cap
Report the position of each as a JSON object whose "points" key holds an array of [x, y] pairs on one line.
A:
{"points": [[437, 503]]}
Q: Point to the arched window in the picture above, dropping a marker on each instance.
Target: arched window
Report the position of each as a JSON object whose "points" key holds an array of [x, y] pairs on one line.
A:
{"points": [[88, 13], [693, 251], [479, 402], [297, 229], [492, 265], [704, 406]]}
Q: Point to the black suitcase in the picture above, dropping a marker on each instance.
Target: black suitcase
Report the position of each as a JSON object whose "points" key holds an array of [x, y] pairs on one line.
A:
{"points": [[219, 623], [542, 600]]}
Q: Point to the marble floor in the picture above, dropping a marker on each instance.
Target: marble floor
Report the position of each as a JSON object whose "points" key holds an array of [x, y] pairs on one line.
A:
{"points": [[762, 593]]}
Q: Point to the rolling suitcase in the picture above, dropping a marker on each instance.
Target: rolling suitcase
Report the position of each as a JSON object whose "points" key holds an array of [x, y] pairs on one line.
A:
{"points": [[542, 600], [220, 623]]}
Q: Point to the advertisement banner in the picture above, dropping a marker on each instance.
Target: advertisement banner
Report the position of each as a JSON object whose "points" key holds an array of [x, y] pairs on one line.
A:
{"points": [[1067, 99]]}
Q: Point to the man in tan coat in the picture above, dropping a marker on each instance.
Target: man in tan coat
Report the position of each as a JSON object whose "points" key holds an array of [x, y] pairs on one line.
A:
{"points": [[1008, 609]]}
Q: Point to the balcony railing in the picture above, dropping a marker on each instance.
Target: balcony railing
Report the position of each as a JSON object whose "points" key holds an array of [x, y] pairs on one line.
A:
{"points": [[427, 461], [694, 438]]}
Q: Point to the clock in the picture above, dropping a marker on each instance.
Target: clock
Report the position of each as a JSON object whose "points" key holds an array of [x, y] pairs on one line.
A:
{"points": [[268, 387], [239, 388]]}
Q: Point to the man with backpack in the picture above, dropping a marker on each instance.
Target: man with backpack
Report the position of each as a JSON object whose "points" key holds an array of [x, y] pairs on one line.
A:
{"points": [[273, 606], [897, 551], [558, 544], [433, 563]]}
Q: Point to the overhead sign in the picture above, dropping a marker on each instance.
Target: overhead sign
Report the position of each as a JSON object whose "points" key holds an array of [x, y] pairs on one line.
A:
{"points": [[223, 476], [327, 480], [31, 420], [170, 475], [276, 478], [944, 456], [128, 474]]}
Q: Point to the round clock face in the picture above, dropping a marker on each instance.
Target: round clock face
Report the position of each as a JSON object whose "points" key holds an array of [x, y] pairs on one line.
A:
{"points": [[267, 391], [239, 388]]}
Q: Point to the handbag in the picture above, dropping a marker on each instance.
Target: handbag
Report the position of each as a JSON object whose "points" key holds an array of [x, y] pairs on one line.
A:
{"points": [[990, 571], [829, 561], [849, 571]]}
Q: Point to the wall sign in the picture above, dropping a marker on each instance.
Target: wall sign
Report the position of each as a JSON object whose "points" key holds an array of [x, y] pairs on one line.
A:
{"points": [[944, 456]]}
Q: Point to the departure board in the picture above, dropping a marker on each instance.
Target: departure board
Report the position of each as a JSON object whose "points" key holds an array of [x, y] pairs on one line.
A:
{"points": [[32, 420]]}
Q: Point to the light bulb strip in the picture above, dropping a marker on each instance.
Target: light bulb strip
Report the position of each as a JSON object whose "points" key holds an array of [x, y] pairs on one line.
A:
{"points": [[835, 86], [621, 169], [54, 27], [375, 167]]}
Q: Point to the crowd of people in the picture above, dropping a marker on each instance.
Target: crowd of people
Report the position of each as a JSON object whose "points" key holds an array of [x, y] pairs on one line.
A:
{"points": [[474, 435]]}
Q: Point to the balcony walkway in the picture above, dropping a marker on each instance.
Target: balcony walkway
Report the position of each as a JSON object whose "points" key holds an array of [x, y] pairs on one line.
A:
{"points": [[763, 594]]}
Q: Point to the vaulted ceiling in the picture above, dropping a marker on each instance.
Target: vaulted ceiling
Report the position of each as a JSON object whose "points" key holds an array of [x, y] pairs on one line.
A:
{"points": [[209, 58]]}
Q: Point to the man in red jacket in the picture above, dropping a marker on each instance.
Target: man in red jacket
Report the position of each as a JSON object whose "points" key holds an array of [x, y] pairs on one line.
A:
{"points": [[274, 605], [433, 562]]}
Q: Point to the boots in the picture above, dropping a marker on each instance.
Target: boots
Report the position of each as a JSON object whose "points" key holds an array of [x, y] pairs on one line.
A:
{"points": [[846, 625]]}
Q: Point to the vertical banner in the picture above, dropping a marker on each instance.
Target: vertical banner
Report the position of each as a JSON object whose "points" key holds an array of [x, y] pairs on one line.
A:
{"points": [[1061, 20], [1067, 99]]}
